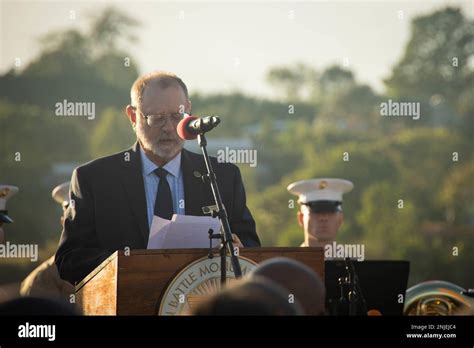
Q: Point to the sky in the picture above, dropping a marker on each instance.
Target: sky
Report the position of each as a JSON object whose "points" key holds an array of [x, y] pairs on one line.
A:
{"points": [[224, 46]]}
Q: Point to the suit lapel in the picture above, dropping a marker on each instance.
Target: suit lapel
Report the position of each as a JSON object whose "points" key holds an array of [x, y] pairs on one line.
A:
{"points": [[132, 180], [195, 193]]}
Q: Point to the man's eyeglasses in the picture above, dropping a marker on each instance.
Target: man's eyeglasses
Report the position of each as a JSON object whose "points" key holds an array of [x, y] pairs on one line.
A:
{"points": [[159, 120]]}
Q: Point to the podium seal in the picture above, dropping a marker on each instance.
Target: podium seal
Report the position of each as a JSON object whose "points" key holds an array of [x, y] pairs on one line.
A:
{"points": [[195, 282]]}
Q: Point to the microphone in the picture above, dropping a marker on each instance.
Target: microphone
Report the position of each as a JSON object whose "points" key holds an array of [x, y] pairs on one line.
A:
{"points": [[191, 126]]}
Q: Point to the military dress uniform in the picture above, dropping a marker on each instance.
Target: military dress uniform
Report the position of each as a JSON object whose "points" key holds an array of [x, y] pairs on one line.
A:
{"points": [[6, 192], [44, 281], [321, 195]]}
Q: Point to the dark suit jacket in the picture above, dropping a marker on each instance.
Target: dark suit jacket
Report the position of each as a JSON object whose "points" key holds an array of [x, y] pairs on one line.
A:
{"points": [[109, 210]]}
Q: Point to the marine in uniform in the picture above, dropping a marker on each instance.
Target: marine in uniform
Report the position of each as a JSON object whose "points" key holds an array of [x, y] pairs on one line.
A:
{"points": [[44, 281], [6, 192], [320, 213]]}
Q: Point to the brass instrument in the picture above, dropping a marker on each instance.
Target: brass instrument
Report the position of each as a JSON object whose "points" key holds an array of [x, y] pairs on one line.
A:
{"points": [[437, 297]]}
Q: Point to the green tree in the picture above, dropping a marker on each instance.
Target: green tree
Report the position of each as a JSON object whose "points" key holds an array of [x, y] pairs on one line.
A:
{"points": [[112, 134], [457, 194], [335, 80], [293, 82], [389, 225], [436, 58], [435, 67], [110, 28], [78, 66]]}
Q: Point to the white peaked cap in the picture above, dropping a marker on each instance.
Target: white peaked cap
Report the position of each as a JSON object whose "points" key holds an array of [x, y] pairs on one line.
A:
{"points": [[6, 192], [61, 192], [325, 189]]}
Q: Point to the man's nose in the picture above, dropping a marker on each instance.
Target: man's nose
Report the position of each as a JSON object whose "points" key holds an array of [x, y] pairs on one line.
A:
{"points": [[168, 125]]}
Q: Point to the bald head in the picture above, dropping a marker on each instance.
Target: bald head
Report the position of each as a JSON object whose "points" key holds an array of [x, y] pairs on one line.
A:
{"points": [[250, 296], [300, 280]]}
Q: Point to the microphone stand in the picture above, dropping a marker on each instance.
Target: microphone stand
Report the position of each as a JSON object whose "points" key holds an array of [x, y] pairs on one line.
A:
{"points": [[225, 234], [341, 306], [355, 293]]}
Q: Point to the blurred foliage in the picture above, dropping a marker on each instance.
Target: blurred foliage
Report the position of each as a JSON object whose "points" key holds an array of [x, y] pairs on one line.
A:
{"points": [[438, 65], [103, 141], [39, 149], [325, 124]]}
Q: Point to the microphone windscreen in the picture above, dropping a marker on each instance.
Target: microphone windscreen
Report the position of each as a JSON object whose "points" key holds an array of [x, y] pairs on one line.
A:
{"points": [[182, 128]]}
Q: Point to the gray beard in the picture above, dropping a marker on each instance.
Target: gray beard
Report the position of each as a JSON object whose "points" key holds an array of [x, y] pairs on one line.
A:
{"points": [[166, 153]]}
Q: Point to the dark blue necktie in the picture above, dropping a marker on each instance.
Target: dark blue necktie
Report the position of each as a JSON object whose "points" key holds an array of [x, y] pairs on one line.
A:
{"points": [[164, 200]]}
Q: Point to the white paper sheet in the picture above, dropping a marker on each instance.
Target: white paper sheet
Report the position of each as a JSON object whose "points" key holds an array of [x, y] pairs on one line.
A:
{"points": [[182, 231]]}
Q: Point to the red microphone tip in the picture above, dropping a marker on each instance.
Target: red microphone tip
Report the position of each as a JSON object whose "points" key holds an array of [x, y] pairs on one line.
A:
{"points": [[181, 128]]}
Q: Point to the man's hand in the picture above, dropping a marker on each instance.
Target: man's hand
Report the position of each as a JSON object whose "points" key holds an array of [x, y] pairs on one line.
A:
{"points": [[236, 241]]}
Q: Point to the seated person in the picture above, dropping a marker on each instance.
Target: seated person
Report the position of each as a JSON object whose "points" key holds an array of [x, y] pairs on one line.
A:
{"points": [[253, 296], [297, 279]]}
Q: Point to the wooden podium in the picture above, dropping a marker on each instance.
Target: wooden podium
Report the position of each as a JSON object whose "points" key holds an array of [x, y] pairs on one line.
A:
{"points": [[135, 283]]}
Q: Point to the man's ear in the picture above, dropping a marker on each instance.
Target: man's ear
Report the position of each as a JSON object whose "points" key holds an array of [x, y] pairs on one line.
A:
{"points": [[189, 107], [131, 114], [299, 217]]}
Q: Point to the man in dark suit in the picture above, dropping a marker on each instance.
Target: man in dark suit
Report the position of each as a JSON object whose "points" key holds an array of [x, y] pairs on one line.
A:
{"points": [[114, 198]]}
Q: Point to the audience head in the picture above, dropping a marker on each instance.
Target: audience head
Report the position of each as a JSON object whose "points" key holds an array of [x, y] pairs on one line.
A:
{"points": [[298, 279]]}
